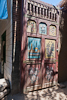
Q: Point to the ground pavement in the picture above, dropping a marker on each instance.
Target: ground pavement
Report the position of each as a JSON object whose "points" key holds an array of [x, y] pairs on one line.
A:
{"points": [[52, 93]]}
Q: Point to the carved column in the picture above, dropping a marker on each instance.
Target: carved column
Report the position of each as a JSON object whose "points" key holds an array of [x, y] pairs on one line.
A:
{"points": [[54, 16], [49, 14], [40, 12], [46, 13], [37, 11], [34, 10]]}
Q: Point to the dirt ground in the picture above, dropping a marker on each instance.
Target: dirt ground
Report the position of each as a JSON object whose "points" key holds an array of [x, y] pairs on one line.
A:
{"points": [[52, 93]]}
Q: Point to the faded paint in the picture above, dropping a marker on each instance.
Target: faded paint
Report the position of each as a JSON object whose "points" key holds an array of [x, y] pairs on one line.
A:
{"points": [[34, 46], [49, 48], [42, 28], [30, 63], [52, 30], [31, 26]]}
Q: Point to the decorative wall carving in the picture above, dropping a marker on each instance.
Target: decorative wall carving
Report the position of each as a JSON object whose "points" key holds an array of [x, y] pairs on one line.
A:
{"points": [[33, 10]]}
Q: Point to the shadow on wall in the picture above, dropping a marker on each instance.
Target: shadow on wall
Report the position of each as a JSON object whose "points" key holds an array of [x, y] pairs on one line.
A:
{"points": [[62, 68]]}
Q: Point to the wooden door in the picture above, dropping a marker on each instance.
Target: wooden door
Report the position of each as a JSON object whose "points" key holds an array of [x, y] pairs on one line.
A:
{"points": [[40, 56]]}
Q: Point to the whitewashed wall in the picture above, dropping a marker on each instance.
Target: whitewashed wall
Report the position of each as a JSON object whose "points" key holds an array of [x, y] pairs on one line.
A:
{"points": [[6, 25]]}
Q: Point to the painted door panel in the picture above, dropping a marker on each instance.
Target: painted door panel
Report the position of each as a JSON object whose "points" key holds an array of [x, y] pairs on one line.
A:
{"points": [[43, 28], [36, 75], [50, 74], [34, 46], [41, 65], [33, 77]]}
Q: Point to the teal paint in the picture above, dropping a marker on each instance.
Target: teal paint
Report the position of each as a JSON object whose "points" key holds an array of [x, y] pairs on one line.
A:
{"points": [[34, 46]]}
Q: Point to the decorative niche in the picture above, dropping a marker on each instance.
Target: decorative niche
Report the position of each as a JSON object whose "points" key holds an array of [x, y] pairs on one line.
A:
{"points": [[31, 26], [43, 28], [52, 30]]}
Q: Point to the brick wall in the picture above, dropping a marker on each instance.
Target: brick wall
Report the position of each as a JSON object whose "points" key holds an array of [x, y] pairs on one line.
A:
{"points": [[6, 25]]}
